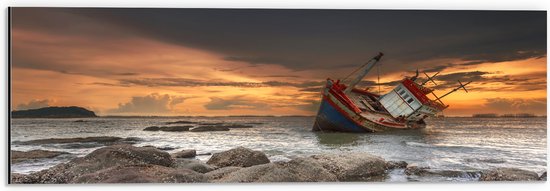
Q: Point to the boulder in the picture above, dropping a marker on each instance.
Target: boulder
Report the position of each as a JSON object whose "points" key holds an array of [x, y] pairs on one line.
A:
{"points": [[209, 128], [353, 166], [269, 172], [111, 156], [193, 164], [508, 174], [144, 173], [309, 170], [396, 164], [413, 169], [168, 128], [215, 175], [297, 170], [175, 128], [152, 128], [239, 156], [185, 154], [543, 176], [20, 156]]}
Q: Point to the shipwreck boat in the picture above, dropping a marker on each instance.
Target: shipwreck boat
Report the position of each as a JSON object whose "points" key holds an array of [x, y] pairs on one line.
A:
{"points": [[350, 109]]}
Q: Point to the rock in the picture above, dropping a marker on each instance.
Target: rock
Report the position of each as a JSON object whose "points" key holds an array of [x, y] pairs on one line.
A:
{"points": [[152, 128], [20, 156], [269, 172], [455, 173], [203, 154], [161, 148], [543, 176], [239, 156], [168, 128], [309, 170], [508, 174], [180, 122], [297, 170], [194, 165], [353, 166], [209, 128], [16, 178], [215, 175], [175, 128], [111, 156], [396, 164], [185, 154], [144, 173], [80, 121], [101, 139], [413, 169]]}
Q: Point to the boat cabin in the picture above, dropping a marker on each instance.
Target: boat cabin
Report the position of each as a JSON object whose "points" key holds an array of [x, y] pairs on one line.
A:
{"points": [[408, 101]]}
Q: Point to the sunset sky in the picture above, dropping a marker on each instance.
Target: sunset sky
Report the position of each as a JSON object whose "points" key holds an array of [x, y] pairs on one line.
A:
{"points": [[268, 62]]}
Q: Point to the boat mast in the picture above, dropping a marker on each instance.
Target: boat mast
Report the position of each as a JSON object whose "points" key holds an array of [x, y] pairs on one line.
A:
{"points": [[363, 73]]}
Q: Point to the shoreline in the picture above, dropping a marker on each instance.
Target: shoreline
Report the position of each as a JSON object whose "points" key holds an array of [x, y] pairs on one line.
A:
{"points": [[136, 165]]}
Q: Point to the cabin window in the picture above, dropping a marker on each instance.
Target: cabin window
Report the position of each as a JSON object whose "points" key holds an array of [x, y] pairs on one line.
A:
{"points": [[402, 92], [406, 96], [410, 100]]}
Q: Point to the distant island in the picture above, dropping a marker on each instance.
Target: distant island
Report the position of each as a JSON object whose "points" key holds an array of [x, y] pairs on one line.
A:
{"points": [[54, 112]]}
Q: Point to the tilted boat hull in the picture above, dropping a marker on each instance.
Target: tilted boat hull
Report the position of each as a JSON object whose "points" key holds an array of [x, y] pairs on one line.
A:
{"points": [[330, 118]]}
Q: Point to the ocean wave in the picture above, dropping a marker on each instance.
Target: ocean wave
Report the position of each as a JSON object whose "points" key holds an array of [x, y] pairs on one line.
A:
{"points": [[417, 144], [486, 160]]}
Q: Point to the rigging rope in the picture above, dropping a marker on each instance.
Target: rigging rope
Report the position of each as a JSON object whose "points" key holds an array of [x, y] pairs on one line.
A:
{"points": [[344, 79], [378, 67]]}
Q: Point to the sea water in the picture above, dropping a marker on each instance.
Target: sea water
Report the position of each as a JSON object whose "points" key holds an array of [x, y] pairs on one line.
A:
{"points": [[446, 143]]}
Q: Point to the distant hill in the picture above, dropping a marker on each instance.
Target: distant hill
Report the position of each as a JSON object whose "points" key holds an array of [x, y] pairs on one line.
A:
{"points": [[54, 112]]}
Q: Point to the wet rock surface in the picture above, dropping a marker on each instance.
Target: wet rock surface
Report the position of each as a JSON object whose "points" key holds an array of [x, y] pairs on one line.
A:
{"points": [[129, 164], [144, 173], [508, 174], [396, 164], [189, 153], [543, 176], [353, 166], [194, 165], [209, 128], [111, 156], [168, 128], [240, 156], [20, 156]]}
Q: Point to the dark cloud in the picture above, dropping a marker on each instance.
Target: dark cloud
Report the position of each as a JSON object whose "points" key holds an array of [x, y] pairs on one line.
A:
{"points": [[149, 104], [303, 39], [505, 105], [310, 39], [34, 104], [481, 81], [185, 82], [239, 102]]}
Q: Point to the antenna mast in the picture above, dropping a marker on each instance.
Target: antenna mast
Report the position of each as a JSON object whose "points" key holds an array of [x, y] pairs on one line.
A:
{"points": [[463, 86], [363, 73]]}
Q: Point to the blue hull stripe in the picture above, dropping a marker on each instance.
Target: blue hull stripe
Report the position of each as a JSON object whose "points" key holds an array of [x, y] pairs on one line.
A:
{"points": [[330, 119]]}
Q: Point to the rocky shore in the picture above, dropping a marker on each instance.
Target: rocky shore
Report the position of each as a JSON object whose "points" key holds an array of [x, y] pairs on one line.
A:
{"points": [[124, 163]]}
